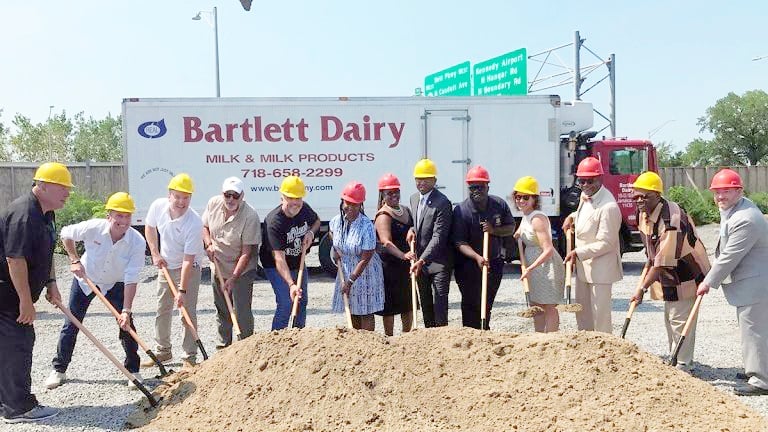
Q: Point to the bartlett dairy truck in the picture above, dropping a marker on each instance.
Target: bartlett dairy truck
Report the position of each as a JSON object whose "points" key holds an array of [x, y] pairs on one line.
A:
{"points": [[331, 141]]}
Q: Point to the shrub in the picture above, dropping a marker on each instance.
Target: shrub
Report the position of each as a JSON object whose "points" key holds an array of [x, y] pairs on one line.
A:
{"points": [[698, 204], [761, 200], [78, 208]]}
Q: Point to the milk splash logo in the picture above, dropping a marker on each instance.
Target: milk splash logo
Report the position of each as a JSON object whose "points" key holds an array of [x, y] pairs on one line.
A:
{"points": [[152, 129]]}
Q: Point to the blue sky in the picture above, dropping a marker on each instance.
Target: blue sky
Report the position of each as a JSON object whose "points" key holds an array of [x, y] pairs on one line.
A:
{"points": [[673, 59]]}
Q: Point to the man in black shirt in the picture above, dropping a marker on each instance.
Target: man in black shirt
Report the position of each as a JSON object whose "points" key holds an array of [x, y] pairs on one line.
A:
{"points": [[27, 240], [477, 214], [288, 229]]}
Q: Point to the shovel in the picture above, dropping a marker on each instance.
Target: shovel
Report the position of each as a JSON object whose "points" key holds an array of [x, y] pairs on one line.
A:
{"points": [[633, 305], [232, 315], [131, 331], [345, 296], [414, 290], [686, 328], [105, 351], [184, 313], [299, 280], [484, 289], [568, 306], [530, 311]]}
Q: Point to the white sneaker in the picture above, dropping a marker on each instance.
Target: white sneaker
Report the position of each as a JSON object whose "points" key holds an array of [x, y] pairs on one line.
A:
{"points": [[138, 376], [55, 379]]}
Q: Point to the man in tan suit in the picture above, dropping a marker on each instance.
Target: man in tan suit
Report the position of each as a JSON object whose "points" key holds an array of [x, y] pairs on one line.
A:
{"points": [[597, 257]]}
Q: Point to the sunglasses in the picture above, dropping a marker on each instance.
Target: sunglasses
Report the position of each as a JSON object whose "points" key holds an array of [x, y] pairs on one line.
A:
{"points": [[392, 192], [640, 197], [522, 197], [586, 181], [475, 188], [234, 195]]}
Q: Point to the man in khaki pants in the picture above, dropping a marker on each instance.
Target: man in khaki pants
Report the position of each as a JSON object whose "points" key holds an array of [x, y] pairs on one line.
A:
{"points": [[597, 257], [179, 249]]}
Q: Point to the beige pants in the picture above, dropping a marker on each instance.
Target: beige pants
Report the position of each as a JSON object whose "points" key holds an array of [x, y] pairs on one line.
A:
{"points": [[596, 300], [675, 315], [165, 303], [753, 323]]}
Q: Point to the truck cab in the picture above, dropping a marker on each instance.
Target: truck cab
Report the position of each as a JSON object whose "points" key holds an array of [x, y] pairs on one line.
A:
{"points": [[623, 160]]}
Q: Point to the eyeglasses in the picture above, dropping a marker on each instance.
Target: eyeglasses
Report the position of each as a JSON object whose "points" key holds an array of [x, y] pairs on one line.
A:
{"points": [[522, 197], [234, 195], [641, 197], [586, 181], [476, 187]]}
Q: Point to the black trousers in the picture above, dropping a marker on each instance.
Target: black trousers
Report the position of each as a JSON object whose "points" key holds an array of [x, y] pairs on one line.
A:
{"points": [[470, 281], [16, 343], [433, 295]]}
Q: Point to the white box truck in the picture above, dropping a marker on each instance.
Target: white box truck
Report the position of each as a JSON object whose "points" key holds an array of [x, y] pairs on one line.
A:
{"points": [[332, 141]]}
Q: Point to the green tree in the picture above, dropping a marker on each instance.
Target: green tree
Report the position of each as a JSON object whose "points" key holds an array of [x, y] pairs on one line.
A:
{"points": [[97, 140], [667, 156], [5, 151], [740, 128]]}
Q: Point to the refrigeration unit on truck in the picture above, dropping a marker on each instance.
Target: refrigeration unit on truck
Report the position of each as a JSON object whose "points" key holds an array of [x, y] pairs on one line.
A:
{"points": [[332, 141]]}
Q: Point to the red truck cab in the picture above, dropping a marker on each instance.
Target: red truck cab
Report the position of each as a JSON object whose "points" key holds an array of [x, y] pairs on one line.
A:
{"points": [[623, 160]]}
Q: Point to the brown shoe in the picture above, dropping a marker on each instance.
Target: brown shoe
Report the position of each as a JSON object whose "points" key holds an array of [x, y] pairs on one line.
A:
{"points": [[161, 357], [188, 363]]}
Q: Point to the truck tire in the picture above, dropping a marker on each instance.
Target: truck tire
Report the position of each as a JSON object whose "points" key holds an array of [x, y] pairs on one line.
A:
{"points": [[324, 254]]}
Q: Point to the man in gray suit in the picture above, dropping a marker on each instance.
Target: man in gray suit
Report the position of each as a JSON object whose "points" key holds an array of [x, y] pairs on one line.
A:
{"points": [[740, 267], [432, 228]]}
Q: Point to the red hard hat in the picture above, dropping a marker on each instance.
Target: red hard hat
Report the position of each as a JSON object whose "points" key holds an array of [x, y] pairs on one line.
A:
{"points": [[388, 182], [478, 174], [726, 178], [353, 192], [589, 167]]}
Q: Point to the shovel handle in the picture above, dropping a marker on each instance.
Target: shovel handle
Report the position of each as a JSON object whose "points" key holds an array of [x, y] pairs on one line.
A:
{"points": [[183, 309], [633, 304], [105, 351], [484, 290], [568, 265], [523, 268], [130, 330], [686, 328], [227, 300], [344, 296], [414, 289], [299, 281]]}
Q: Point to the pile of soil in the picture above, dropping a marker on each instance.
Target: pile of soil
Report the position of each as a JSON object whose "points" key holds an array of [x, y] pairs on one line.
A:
{"points": [[437, 380]]}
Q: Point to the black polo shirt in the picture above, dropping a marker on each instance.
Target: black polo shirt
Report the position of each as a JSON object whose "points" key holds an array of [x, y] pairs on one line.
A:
{"points": [[466, 229], [25, 232]]}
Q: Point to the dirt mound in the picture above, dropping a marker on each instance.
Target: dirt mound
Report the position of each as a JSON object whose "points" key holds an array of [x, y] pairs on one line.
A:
{"points": [[440, 379]]}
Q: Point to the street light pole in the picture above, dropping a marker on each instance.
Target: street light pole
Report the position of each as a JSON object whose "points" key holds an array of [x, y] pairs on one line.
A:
{"points": [[653, 131], [215, 23], [48, 133]]}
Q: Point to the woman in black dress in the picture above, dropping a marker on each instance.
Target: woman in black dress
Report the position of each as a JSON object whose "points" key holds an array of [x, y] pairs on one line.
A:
{"points": [[392, 223]]}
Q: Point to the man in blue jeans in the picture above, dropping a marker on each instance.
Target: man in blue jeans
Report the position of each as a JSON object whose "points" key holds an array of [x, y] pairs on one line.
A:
{"points": [[288, 229], [113, 258], [27, 239]]}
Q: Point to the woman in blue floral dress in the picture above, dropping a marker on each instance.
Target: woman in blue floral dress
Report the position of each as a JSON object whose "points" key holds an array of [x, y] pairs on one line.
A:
{"points": [[354, 239]]}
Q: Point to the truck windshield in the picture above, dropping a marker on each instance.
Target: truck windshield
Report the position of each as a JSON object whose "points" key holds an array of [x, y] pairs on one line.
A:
{"points": [[628, 161]]}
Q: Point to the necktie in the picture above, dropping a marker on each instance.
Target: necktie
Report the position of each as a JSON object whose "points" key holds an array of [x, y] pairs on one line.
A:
{"points": [[420, 210]]}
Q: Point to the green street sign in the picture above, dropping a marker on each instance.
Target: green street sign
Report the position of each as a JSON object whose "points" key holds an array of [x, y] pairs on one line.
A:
{"points": [[454, 81], [503, 75]]}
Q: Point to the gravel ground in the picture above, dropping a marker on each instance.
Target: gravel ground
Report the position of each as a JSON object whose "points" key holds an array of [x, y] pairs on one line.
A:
{"points": [[95, 397]]}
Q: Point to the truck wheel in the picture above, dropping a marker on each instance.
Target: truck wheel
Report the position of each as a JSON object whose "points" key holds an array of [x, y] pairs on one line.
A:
{"points": [[324, 253]]}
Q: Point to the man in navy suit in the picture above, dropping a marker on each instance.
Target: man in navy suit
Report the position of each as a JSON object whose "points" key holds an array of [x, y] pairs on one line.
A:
{"points": [[740, 268], [432, 228]]}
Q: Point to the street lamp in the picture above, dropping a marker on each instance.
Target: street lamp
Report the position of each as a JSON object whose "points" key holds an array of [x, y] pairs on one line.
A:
{"points": [[653, 131], [759, 57], [48, 133], [213, 20]]}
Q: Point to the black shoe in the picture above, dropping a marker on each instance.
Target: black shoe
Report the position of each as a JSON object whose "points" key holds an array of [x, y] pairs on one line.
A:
{"points": [[741, 376], [749, 390]]}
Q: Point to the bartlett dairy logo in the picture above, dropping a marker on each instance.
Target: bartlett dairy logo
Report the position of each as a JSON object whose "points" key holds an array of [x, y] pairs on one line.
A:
{"points": [[153, 129]]}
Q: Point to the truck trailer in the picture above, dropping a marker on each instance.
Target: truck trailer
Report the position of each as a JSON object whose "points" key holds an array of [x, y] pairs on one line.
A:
{"points": [[329, 142]]}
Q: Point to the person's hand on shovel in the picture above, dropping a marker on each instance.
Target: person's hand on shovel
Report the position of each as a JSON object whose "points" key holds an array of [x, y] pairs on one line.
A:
{"points": [[346, 287], [124, 321], [295, 291], [229, 285], [409, 256], [179, 299], [416, 266], [638, 297], [158, 261], [487, 227], [481, 262], [524, 274], [570, 257]]}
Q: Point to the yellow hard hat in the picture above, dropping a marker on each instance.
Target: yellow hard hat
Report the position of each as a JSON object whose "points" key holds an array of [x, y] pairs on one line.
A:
{"points": [[122, 202], [182, 183], [425, 168], [54, 172], [293, 187], [649, 180], [527, 185]]}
